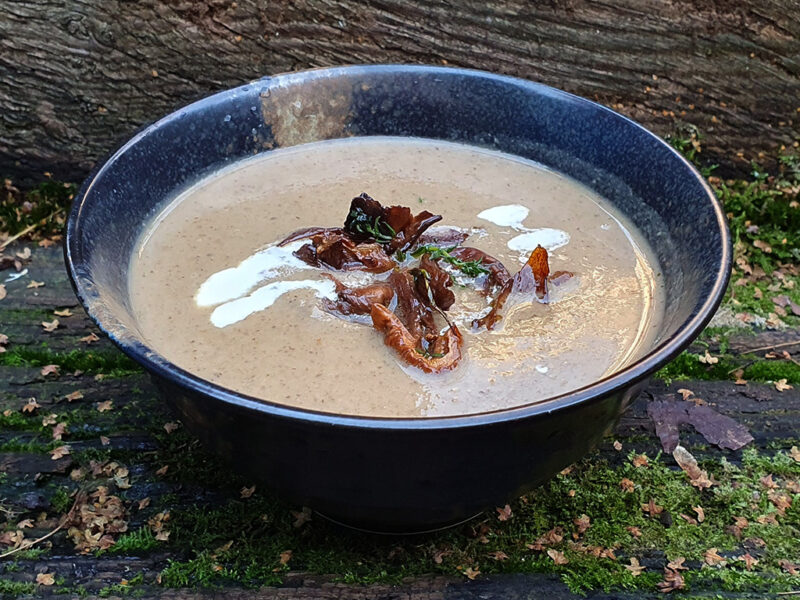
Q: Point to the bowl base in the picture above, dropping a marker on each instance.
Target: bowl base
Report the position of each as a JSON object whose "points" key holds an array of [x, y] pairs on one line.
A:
{"points": [[389, 532]]}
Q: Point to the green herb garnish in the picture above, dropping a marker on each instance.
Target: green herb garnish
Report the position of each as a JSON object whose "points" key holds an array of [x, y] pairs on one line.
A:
{"points": [[470, 268], [428, 354], [377, 229]]}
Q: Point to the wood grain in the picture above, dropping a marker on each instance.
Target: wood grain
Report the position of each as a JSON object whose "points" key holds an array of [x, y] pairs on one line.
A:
{"points": [[79, 76]]}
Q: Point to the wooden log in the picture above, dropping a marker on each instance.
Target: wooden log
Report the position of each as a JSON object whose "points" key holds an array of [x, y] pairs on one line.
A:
{"points": [[80, 76]]}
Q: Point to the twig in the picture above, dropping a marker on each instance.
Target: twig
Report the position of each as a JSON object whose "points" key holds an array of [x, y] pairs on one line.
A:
{"points": [[795, 593], [776, 346], [64, 520], [27, 230]]}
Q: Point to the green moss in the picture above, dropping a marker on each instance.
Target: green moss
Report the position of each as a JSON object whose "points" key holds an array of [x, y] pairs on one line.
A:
{"points": [[12, 589], [688, 366], [134, 542], [40, 206], [108, 362], [60, 500]]}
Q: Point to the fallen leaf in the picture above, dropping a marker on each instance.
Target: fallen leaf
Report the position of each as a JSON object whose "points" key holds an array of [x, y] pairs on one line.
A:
{"points": [[105, 405], [717, 429], [35, 284], [162, 471], [768, 519], [677, 564], [763, 246], [471, 573], [558, 557], [697, 477], [627, 485], [768, 482], [246, 492], [26, 524], [672, 581], [498, 555], [634, 531], [635, 568], [285, 557], [790, 567], [582, 523], [46, 243], [71, 397], [50, 370], [707, 359], [170, 427], [439, 555], [301, 517], [640, 460], [63, 313], [163, 535], [3, 292], [688, 519], [617, 445], [701, 514], [685, 394], [144, 503], [24, 254], [551, 538], [89, 339], [741, 522], [104, 440], [748, 561], [59, 452], [712, 558], [795, 453], [503, 514], [782, 386], [45, 579], [781, 501], [31, 405], [59, 431], [3, 339], [652, 508]]}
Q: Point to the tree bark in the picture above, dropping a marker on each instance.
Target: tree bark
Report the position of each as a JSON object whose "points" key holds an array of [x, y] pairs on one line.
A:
{"points": [[79, 76]]}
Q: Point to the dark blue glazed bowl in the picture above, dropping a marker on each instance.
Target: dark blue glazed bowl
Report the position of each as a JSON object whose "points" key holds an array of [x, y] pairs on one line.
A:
{"points": [[402, 474]]}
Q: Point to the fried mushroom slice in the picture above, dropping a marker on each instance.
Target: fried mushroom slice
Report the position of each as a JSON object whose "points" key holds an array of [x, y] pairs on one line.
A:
{"points": [[359, 301], [334, 249], [442, 354], [432, 283], [498, 274]]}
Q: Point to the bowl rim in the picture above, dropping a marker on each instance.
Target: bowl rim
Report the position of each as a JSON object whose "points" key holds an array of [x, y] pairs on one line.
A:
{"points": [[617, 381]]}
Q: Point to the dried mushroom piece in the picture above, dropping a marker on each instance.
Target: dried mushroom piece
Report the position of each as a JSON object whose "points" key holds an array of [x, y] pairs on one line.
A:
{"points": [[337, 251], [441, 354], [432, 282], [497, 272], [359, 301]]}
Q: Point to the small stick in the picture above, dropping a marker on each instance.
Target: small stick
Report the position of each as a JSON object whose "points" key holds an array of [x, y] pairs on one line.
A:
{"points": [[64, 520], [776, 346], [26, 231]]}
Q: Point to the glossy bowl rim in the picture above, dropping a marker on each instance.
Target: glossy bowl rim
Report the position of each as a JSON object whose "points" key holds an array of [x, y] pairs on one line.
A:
{"points": [[618, 381]]}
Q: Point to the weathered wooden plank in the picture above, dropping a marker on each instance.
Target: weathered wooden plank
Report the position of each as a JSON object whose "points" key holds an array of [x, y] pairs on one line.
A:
{"points": [[79, 76]]}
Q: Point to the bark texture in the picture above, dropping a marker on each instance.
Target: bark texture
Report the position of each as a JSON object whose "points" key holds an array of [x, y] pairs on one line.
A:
{"points": [[79, 76]]}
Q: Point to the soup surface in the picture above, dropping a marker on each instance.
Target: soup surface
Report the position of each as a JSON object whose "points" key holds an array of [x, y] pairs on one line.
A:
{"points": [[214, 293]]}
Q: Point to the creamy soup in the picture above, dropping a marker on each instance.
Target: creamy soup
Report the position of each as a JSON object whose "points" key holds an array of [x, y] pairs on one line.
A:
{"points": [[214, 293]]}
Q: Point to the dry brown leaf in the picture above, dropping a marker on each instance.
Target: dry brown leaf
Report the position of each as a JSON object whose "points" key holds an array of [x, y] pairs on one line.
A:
{"points": [[795, 453], [687, 462], [23, 254], [768, 482], [781, 501], [71, 397], [104, 440], [59, 431], [712, 558], [246, 492], [617, 445], [688, 519], [63, 313], [558, 557], [285, 557], [50, 419], [163, 535], [59, 452], [652, 508], [498, 555], [439, 555], [503, 514], [640, 460], [170, 427], [26, 524], [551, 538], [105, 405], [301, 517], [790, 567], [31, 405], [3, 292], [707, 359], [45, 578], [685, 394], [162, 471], [471, 573], [582, 523], [673, 580], [3, 339], [749, 561], [89, 339], [35, 285], [46, 243], [741, 523], [782, 386], [144, 503], [627, 485], [768, 519], [634, 531], [701, 514], [763, 246], [677, 564], [50, 370], [50, 326], [635, 568]]}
